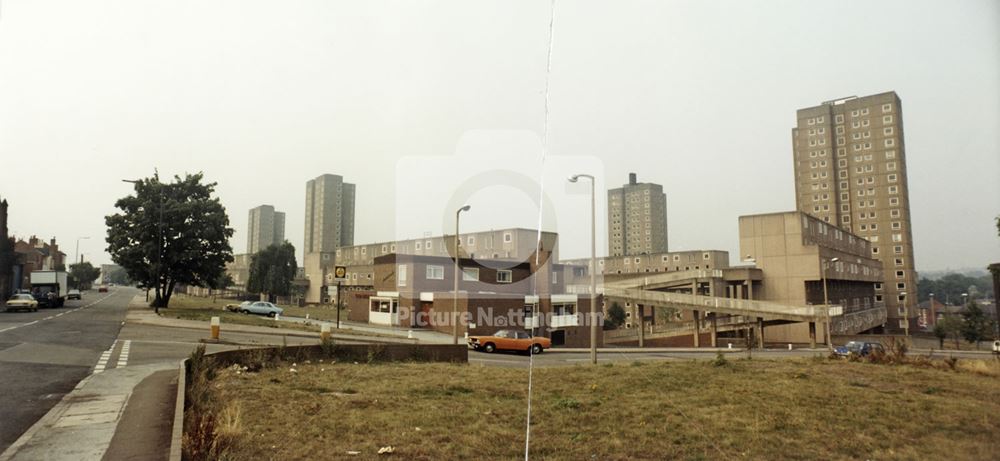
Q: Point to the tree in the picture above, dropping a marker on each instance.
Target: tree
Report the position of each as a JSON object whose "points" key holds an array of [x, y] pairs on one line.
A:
{"points": [[975, 326], [272, 271], [615, 317], [950, 287], [941, 333], [119, 277], [83, 274], [170, 233], [952, 326]]}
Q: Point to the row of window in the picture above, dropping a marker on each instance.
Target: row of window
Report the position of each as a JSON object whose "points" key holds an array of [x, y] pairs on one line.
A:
{"points": [[469, 274], [425, 245], [839, 118]]}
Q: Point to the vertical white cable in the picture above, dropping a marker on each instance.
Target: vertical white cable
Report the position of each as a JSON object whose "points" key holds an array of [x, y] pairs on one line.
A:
{"points": [[538, 239]]}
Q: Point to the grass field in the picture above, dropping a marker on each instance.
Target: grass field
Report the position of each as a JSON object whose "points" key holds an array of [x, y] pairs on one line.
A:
{"points": [[737, 409], [197, 308]]}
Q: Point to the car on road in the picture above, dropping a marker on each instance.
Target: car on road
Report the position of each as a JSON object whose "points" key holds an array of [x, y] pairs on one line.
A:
{"points": [[74, 294], [102, 289], [858, 348], [22, 302], [238, 307], [261, 308], [510, 340]]}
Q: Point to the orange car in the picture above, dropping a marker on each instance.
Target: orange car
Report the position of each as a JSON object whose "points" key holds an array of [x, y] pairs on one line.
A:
{"points": [[510, 340]]}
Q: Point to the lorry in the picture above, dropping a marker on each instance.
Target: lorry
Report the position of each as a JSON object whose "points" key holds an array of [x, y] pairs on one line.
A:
{"points": [[49, 287]]}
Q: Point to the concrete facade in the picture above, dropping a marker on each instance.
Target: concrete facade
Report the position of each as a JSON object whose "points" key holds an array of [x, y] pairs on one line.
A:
{"points": [[795, 251], [239, 270], [329, 225], [850, 171], [329, 220], [266, 227], [655, 262], [637, 219]]}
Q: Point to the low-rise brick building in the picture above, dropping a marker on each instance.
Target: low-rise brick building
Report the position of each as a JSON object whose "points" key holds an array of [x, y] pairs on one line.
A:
{"points": [[34, 255], [415, 291]]}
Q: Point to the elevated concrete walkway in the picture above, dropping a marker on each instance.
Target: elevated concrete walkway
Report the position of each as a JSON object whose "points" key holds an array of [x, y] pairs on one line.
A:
{"points": [[764, 310]]}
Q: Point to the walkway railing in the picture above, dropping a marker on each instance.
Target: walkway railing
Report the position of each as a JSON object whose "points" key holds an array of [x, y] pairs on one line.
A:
{"points": [[749, 308]]}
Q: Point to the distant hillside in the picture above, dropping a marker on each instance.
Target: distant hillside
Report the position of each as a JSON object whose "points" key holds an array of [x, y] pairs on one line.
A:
{"points": [[973, 272]]}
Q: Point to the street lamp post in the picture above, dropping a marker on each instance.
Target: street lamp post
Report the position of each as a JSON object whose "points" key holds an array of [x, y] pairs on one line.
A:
{"points": [[826, 304], [76, 255], [593, 263], [456, 275]]}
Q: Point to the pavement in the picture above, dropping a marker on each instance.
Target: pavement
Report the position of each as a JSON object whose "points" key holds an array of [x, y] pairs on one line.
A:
{"points": [[97, 379]]}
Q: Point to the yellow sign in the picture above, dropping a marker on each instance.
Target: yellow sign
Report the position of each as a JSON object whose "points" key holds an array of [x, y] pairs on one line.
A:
{"points": [[340, 272]]}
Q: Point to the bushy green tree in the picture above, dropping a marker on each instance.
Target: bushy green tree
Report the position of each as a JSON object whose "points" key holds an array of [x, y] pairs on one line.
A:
{"points": [[119, 276], [952, 326], [615, 317], [940, 333], [170, 233], [272, 271], [83, 274], [976, 326], [950, 287]]}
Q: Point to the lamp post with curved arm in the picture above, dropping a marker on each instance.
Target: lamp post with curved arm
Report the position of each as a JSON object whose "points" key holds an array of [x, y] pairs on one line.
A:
{"points": [[593, 263], [456, 275]]}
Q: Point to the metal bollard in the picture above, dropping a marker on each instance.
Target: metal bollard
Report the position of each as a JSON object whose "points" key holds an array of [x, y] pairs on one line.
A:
{"points": [[730, 345], [215, 328], [409, 334], [789, 346], [324, 332]]}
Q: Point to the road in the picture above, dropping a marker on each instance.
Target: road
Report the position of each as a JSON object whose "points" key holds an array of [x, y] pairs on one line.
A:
{"points": [[44, 354]]}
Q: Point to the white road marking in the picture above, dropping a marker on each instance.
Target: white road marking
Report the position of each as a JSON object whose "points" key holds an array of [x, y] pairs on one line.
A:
{"points": [[51, 317], [123, 355], [105, 356]]}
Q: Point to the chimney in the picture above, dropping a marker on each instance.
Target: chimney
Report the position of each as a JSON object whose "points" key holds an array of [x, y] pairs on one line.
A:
{"points": [[33, 241], [52, 242], [631, 179]]}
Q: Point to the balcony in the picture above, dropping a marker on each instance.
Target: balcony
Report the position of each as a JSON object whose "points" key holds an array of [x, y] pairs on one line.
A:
{"points": [[560, 321], [555, 321]]}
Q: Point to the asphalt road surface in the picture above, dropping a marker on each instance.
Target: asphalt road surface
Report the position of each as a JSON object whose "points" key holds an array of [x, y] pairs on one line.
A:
{"points": [[44, 354]]}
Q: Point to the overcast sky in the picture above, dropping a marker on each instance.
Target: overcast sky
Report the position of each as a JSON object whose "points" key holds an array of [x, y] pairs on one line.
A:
{"points": [[425, 104]]}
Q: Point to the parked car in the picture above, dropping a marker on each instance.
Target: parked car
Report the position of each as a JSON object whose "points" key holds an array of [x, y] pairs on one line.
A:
{"points": [[261, 308], [859, 348], [510, 340], [102, 289], [22, 302], [74, 294], [238, 307]]}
